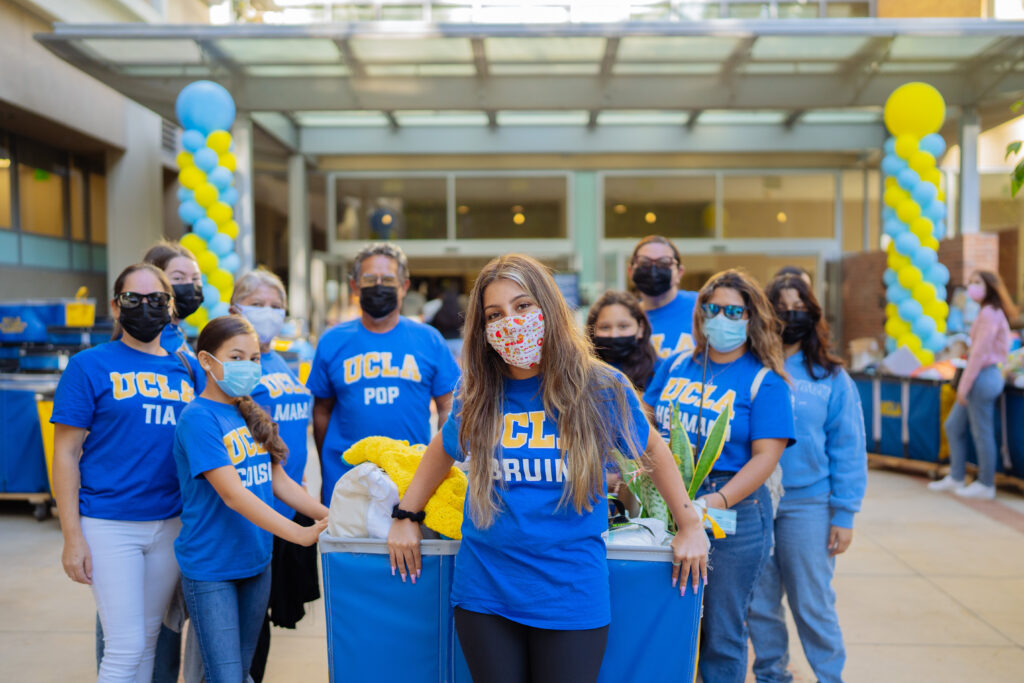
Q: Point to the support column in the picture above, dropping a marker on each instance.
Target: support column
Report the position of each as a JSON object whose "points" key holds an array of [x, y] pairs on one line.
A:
{"points": [[135, 212], [242, 134], [967, 188], [298, 238], [586, 232]]}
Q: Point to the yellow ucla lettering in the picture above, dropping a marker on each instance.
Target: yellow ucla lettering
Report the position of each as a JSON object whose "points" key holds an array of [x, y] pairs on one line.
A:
{"points": [[388, 370], [123, 385], [537, 437], [656, 341], [146, 382], [672, 389], [353, 368], [165, 391], [272, 384], [688, 396], [410, 370], [685, 343], [187, 392], [725, 401], [511, 439], [371, 365], [236, 449]]}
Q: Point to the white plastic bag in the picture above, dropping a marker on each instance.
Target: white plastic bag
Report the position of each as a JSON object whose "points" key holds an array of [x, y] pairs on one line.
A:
{"points": [[362, 502]]}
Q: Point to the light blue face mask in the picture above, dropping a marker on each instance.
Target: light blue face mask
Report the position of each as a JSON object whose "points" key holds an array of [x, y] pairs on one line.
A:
{"points": [[240, 376], [725, 335]]}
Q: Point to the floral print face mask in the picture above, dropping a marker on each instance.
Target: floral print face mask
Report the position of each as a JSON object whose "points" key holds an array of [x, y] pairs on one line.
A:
{"points": [[518, 339]]}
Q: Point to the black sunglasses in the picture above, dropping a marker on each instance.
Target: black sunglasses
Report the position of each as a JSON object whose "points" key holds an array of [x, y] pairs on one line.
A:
{"points": [[134, 299], [731, 312]]}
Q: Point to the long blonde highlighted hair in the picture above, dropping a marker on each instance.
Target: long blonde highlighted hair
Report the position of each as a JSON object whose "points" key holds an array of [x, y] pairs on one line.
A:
{"points": [[576, 388], [764, 331]]}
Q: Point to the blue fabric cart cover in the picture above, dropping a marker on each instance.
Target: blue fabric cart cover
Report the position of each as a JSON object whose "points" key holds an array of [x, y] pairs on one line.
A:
{"points": [[23, 464]]}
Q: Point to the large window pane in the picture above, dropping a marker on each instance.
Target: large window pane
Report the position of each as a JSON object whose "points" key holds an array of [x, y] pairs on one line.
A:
{"points": [[41, 201], [391, 208], [674, 206], [5, 186], [510, 207], [97, 209], [853, 210], [783, 206]]}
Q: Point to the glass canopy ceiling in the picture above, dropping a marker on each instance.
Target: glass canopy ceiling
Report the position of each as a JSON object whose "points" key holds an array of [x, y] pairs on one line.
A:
{"points": [[415, 74]]}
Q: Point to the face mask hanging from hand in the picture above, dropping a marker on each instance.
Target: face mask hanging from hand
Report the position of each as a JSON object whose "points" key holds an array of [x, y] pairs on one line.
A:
{"points": [[725, 335], [240, 376], [266, 320], [378, 301], [144, 322], [799, 324], [518, 339]]}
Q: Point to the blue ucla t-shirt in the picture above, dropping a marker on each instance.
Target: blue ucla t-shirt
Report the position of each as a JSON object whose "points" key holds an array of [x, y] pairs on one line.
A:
{"points": [[768, 416], [130, 402], [288, 403], [672, 325], [382, 385], [173, 339], [539, 563], [216, 543]]}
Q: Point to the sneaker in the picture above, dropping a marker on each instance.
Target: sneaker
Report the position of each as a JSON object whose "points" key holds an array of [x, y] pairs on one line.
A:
{"points": [[977, 490], [947, 483]]}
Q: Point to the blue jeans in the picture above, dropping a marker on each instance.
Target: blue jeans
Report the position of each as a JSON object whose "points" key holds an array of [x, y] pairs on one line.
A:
{"points": [[166, 662], [227, 616], [735, 562], [976, 421], [800, 568]]}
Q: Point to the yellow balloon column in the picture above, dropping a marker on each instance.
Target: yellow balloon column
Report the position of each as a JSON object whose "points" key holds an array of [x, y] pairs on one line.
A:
{"points": [[914, 219], [207, 193]]}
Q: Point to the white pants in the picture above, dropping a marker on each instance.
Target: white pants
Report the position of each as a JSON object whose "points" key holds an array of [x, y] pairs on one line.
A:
{"points": [[134, 573]]}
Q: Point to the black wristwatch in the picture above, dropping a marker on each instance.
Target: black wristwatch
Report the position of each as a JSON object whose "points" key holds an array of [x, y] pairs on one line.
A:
{"points": [[398, 513]]}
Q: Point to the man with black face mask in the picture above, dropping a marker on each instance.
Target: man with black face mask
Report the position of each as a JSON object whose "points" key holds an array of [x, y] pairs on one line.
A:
{"points": [[376, 375], [655, 269]]}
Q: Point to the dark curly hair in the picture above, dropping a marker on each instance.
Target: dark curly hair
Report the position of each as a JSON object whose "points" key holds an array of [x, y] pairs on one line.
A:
{"points": [[817, 346]]}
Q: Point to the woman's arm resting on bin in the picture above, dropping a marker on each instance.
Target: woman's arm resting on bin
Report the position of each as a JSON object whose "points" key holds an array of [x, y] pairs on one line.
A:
{"points": [[67, 478], [294, 496], [404, 537]]}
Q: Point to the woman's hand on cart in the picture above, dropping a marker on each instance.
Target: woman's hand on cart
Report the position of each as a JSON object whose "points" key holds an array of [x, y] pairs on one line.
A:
{"points": [[690, 556], [77, 559], [308, 535], [404, 548]]}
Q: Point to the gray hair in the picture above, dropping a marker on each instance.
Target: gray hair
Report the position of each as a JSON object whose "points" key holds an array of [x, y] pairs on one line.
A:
{"points": [[253, 280], [389, 249]]}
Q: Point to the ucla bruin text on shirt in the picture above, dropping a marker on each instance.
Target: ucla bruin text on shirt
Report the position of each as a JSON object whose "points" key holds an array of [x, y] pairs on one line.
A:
{"points": [[241, 446], [684, 343], [125, 385], [279, 384], [688, 393], [529, 431], [374, 364]]}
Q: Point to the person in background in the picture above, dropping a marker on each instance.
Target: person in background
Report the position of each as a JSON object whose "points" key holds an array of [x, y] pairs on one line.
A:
{"points": [[376, 375], [736, 365], [621, 335], [796, 271], [229, 454], [655, 269], [259, 297], [530, 590], [448, 321], [181, 269], [973, 415], [824, 475], [114, 417]]}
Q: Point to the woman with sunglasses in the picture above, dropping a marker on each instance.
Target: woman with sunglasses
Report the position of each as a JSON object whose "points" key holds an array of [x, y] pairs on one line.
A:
{"points": [[736, 365], [114, 478], [824, 474]]}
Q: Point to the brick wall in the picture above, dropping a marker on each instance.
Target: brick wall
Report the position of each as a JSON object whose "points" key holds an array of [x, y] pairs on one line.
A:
{"points": [[1009, 259]]}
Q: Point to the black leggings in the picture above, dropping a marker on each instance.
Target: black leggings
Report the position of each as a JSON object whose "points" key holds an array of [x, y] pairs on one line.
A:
{"points": [[501, 651]]}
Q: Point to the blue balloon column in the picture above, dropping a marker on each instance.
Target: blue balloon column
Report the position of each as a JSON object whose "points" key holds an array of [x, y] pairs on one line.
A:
{"points": [[207, 193]]}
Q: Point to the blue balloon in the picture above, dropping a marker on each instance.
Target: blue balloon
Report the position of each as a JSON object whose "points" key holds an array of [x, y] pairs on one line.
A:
{"points": [[934, 210], [894, 228], [221, 244], [938, 275], [185, 194], [205, 106], [231, 263], [890, 345], [205, 228], [892, 165], [888, 214], [211, 297], [924, 327], [896, 293], [907, 243], [193, 140], [923, 258], [910, 310], [890, 146], [205, 159], [935, 342], [934, 144], [229, 196], [941, 294], [908, 179], [220, 177], [219, 310], [939, 230], [889, 277], [190, 212], [923, 193]]}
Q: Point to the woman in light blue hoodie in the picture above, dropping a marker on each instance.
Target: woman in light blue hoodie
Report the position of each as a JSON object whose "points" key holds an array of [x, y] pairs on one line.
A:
{"points": [[824, 475]]}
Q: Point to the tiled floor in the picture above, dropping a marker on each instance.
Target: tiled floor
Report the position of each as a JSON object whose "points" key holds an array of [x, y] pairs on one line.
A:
{"points": [[931, 590]]}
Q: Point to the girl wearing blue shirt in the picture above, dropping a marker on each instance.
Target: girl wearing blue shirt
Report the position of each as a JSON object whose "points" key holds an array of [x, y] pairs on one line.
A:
{"points": [[824, 474], [259, 297], [229, 458], [182, 271], [541, 415], [621, 335], [736, 365], [114, 417]]}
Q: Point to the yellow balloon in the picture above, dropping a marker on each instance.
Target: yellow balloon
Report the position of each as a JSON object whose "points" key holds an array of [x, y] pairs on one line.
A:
{"points": [[208, 262], [914, 109], [894, 196], [223, 281], [220, 213], [185, 160], [199, 318], [909, 277], [897, 327], [228, 161], [219, 141], [891, 182], [898, 262], [206, 195], [910, 341], [194, 243], [924, 293], [908, 210], [941, 196], [906, 146], [940, 325], [230, 229], [932, 175], [930, 242], [891, 311], [921, 227], [191, 177], [937, 309], [921, 161], [925, 356]]}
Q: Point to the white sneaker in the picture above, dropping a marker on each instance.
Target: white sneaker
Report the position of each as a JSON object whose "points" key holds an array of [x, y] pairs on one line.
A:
{"points": [[977, 490], [947, 483]]}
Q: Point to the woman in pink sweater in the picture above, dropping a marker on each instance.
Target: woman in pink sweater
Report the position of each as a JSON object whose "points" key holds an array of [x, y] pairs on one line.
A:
{"points": [[973, 415]]}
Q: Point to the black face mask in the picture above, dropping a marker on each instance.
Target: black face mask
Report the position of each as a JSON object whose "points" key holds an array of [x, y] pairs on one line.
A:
{"points": [[652, 280], [187, 299], [614, 349], [144, 322], [799, 324], [378, 301]]}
